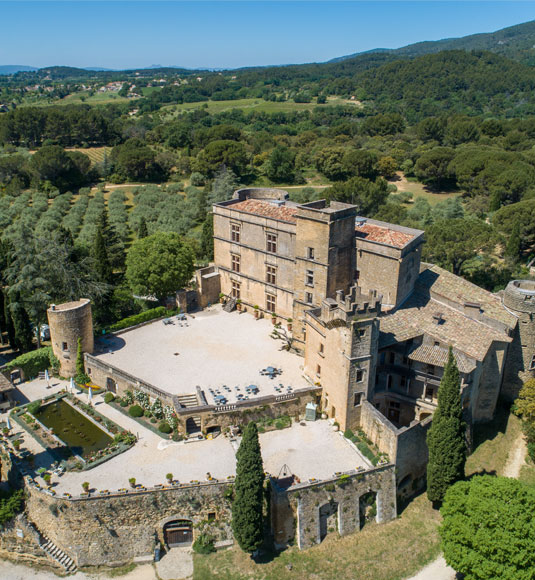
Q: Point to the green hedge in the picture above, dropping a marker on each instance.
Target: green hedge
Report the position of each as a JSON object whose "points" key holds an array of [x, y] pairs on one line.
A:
{"points": [[136, 411], [33, 362], [139, 318]]}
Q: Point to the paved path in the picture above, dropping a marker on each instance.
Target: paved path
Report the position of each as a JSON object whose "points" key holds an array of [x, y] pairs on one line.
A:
{"points": [[437, 570], [9, 571], [177, 564]]}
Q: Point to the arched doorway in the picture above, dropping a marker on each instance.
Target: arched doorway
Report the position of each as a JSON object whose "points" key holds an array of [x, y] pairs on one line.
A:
{"points": [[111, 385], [193, 425], [367, 508], [178, 533], [328, 516]]}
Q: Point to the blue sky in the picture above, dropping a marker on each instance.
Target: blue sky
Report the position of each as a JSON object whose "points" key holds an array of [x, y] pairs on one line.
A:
{"points": [[232, 34]]}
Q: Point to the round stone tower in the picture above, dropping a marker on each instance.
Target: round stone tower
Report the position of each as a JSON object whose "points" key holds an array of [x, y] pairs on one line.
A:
{"points": [[68, 322], [519, 298]]}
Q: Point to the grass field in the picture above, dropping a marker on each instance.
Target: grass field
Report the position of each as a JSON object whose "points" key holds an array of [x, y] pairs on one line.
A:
{"points": [[96, 154], [379, 552], [81, 98], [493, 442], [252, 105], [420, 190]]}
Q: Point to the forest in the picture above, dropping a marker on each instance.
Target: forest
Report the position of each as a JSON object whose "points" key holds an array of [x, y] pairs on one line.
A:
{"points": [[86, 190]]}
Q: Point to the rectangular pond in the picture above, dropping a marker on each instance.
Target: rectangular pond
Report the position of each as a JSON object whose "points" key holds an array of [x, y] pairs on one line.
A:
{"points": [[80, 434]]}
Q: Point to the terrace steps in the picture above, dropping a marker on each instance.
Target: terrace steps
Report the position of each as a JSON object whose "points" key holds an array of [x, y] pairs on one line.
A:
{"points": [[188, 401], [230, 305]]}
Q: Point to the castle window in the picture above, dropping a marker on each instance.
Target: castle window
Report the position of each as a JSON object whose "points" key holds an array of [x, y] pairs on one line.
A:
{"points": [[235, 263], [271, 274], [310, 253], [389, 381], [360, 375], [309, 279], [88, 371], [431, 369], [362, 332], [64, 346], [357, 399], [236, 290], [235, 231], [321, 350], [394, 405], [308, 297], [392, 358], [405, 360], [403, 382], [437, 343], [429, 392], [211, 516], [270, 303], [271, 243], [318, 370]]}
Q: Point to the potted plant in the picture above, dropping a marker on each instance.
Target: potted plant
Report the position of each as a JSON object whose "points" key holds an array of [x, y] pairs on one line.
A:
{"points": [[169, 478], [221, 298], [256, 311], [238, 305], [47, 477], [289, 324], [336, 426], [132, 482], [85, 486], [273, 318]]}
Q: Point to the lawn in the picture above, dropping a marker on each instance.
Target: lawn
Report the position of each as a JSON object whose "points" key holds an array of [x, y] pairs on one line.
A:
{"points": [[252, 104], [493, 441], [420, 190], [389, 551]]}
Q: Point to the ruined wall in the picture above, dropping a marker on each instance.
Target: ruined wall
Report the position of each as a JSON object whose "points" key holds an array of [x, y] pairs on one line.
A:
{"points": [[299, 507], [115, 529], [208, 286]]}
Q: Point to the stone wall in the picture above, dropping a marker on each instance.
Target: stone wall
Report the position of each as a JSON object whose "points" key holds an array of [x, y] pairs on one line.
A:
{"points": [[298, 508], [208, 286], [113, 530]]}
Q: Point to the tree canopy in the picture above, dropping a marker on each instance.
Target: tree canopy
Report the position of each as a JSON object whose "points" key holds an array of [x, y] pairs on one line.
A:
{"points": [[159, 264], [488, 530]]}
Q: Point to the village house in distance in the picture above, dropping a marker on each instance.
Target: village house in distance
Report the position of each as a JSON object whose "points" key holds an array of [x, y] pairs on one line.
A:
{"points": [[369, 327]]}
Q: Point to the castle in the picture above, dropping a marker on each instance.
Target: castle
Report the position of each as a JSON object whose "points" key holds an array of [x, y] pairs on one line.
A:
{"points": [[369, 326]]}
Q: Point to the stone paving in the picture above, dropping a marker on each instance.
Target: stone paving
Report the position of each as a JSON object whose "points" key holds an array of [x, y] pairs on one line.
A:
{"points": [[309, 450], [216, 348]]}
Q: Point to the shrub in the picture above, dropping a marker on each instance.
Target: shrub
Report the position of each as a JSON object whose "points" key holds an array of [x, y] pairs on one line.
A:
{"points": [[85, 486], [135, 411], [348, 434], [164, 427], [132, 481], [367, 452], [204, 544], [33, 407], [123, 403], [33, 362], [11, 505], [139, 318], [169, 477], [47, 477], [109, 397], [153, 420]]}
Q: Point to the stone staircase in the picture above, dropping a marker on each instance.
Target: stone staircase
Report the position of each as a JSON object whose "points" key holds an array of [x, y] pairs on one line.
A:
{"points": [[230, 305], [57, 554], [188, 401]]}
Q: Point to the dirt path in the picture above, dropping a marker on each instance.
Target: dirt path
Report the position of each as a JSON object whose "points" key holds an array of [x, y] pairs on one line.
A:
{"points": [[10, 571], [437, 570], [516, 458]]}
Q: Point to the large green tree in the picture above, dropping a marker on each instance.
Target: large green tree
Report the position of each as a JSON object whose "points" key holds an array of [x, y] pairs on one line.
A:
{"points": [[445, 439], [158, 265], [247, 507], [488, 530]]}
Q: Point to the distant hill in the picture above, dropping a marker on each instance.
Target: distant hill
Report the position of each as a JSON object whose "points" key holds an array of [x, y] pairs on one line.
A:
{"points": [[10, 69], [515, 42]]}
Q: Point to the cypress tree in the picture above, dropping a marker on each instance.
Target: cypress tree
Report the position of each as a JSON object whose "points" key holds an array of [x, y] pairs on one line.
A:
{"points": [[100, 256], [142, 232], [248, 500], [22, 327], [446, 436], [81, 376], [10, 329], [512, 249]]}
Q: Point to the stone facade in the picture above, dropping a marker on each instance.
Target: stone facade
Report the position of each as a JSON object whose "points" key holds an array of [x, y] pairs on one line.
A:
{"points": [[116, 529], [68, 322], [315, 509]]}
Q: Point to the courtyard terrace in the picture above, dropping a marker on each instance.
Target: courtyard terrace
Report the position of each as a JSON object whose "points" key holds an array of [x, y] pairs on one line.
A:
{"points": [[213, 350]]}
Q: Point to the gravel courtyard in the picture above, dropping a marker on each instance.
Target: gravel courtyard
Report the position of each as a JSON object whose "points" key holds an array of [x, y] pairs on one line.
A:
{"points": [[215, 348]]}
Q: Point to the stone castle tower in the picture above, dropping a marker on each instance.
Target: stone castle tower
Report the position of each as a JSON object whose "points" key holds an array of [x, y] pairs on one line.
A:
{"points": [[68, 322], [341, 352], [519, 298]]}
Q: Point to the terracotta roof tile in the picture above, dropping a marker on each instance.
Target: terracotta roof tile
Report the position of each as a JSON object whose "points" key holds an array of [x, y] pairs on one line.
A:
{"points": [[383, 235], [438, 356], [266, 209]]}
